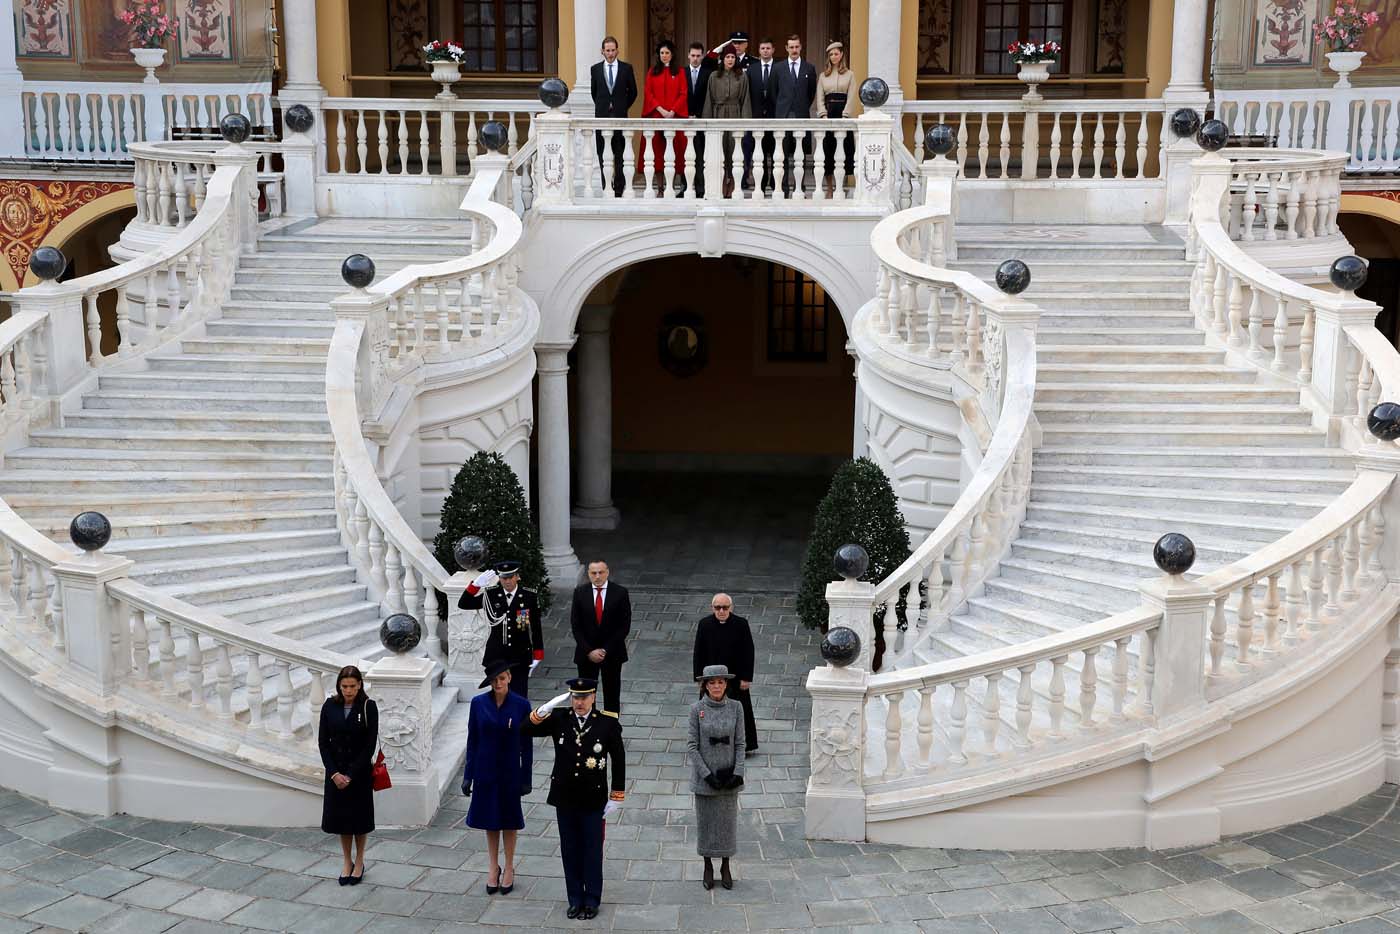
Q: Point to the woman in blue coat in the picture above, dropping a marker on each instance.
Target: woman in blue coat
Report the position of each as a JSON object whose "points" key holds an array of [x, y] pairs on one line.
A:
{"points": [[497, 776]]}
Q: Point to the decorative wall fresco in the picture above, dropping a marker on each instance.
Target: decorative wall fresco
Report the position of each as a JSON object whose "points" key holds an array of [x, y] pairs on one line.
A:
{"points": [[408, 33], [30, 210], [1283, 33], [1381, 44], [661, 22], [935, 36], [206, 30], [105, 38], [1113, 34], [45, 29]]}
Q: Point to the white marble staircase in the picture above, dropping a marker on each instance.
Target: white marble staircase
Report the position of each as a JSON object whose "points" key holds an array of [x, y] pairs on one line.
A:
{"points": [[212, 455], [1146, 430]]}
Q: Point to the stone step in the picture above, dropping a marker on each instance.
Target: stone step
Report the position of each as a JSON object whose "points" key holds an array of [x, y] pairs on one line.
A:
{"points": [[1243, 506], [1050, 596], [146, 443], [1217, 529], [1323, 482], [94, 484], [249, 586], [296, 384], [139, 525], [1153, 372], [276, 364], [272, 329], [274, 423], [1164, 394], [1121, 335], [1137, 413], [260, 609], [327, 249], [1090, 254], [1126, 354], [209, 403], [1103, 316], [257, 310], [1131, 544], [1137, 565], [1072, 579], [237, 546], [171, 504], [1243, 459], [326, 259], [218, 462], [346, 625], [1227, 436], [300, 347], [1118, 301], [206, 568], [1072, 270]]}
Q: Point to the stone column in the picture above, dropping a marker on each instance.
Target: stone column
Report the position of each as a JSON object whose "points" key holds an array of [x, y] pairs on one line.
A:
{"points": [[595, 508], [1188, 50], [553, 370], [882, 58], [11, 85], [299, 49], [590, 26], [402, 687]]}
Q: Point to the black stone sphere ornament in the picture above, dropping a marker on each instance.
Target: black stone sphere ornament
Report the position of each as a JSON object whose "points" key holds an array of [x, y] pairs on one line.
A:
{"points": [[1348, 273], [1174, 553], [357, 270], [874, 92], [90, 531], [1384, 421], [851, 562], [298, 118], [235, 128], [47, 263], [940, 139], [1212, 136], [1185, 122], [841, 647], [1013, 277], [493, 136], [470, 553], [400, 633], [554, 93]]}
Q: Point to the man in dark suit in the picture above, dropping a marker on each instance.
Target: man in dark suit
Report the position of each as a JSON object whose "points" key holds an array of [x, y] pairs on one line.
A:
{"points": [[614, 89], [762, 75], [583, 742], [513, 613], [601, 618], [698, 69], [792, 100]]}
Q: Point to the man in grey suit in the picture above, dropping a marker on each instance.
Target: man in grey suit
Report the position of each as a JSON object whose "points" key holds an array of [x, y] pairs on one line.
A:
{"points": [[795, 89]]}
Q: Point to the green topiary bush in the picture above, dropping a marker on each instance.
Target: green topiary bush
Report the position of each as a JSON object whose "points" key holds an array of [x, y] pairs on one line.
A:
{"points": [[860, 507], [486, 499]]}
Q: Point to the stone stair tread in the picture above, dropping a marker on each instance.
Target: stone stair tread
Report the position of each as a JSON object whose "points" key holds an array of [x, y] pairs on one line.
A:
{"points": [[60, 522], [254, 540], [1060, 572], [1333, 454], [329, 614], [109, 393], [159, 456], [1246, 409], [1134, 559], [152, 568], [1282, 526], [1101, 609], [1120, 429], [141, 476], [275, 419], [1198, 473], [1038, 533], [1224, 498], [293, 577], [79, 434], [313, 367], [317, 380], [330, 596]]}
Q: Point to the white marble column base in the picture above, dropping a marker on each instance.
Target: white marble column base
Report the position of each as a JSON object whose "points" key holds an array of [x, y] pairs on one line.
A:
{"points": [[604, 518]]}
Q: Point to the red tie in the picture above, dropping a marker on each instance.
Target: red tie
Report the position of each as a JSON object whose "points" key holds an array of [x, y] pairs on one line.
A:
{"points": [[598, 604]]}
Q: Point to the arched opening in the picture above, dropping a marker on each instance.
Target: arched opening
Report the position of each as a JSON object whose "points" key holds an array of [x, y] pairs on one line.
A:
{"points": [[1376, 238], [727, 398]]}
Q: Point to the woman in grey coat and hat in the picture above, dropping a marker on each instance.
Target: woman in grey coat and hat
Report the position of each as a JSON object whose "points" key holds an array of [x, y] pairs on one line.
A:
{"points": [[716, 771]]}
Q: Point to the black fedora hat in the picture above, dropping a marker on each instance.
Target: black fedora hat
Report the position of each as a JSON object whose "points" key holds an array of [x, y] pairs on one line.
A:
{"points": [[493, 668]]}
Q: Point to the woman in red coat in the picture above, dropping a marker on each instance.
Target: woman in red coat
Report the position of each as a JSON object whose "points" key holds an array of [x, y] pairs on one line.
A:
{"points": [[664, 97]]}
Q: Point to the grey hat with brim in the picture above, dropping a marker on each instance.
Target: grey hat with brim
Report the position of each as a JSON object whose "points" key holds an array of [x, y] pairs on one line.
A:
{"points": [[714, 671]]}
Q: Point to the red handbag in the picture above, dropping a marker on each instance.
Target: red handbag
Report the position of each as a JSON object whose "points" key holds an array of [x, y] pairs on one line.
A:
{"points": [[379, 774]]}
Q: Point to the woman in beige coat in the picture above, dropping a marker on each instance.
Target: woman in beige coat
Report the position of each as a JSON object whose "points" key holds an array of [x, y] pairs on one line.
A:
{"points": [[835, 99], [727, 98]]}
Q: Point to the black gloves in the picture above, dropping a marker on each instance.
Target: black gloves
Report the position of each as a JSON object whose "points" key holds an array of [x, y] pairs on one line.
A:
{"points": [[735, 781], [524, 790], [467, 789], [723, 775], [713, 781]]}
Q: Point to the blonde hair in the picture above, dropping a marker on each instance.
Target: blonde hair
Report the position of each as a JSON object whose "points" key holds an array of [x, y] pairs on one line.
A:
{"points": [[842, 69]]}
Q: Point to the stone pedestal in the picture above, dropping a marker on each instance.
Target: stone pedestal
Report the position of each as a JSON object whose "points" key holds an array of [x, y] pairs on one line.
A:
{"points": [[1179, 668], [835, 803], [96, 637], [401, 687], [595, 509]]}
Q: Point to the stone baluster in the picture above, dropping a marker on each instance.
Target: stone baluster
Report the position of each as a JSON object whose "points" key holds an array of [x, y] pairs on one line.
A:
{"points": [[223, 680], [253, 685], [1333, 608], [991, 714], [1057, 696], [894, 727], [1351, 554], [194, 668]]}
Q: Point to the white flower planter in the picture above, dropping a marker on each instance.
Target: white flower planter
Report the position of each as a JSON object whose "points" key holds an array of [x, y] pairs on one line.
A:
{"points": [[1344, 63], [1034, 74], [149, 59], [446, 74]]}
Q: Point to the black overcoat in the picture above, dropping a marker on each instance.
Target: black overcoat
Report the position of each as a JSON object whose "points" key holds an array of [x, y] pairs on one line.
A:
{"points": [[575, 783], [347, 746]]}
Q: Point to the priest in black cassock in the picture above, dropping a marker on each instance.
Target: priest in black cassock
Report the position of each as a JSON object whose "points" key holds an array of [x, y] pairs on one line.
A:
{"points": [[723, 638]]}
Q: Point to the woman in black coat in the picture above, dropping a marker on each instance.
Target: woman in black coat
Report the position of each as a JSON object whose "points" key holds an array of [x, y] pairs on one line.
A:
{"points": [[348, 736]]}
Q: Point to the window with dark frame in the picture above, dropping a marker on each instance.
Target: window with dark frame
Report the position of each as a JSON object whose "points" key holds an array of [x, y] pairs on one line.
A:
{"points": [[798, 310], [1006, 21], [503, 36]]}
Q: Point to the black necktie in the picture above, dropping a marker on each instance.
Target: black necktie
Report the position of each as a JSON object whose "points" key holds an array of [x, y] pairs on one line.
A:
{"points": [[765, 76]]}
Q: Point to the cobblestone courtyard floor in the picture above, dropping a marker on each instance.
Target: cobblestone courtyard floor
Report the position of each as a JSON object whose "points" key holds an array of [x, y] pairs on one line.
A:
{"points": [[62, 871]]}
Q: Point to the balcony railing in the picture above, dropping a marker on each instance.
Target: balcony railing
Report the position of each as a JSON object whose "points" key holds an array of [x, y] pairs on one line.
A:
{"points": [[1364, 123]]}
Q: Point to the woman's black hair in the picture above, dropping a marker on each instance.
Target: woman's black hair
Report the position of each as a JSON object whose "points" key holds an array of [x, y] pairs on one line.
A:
{"points": [[350, 671], [675, 67]]}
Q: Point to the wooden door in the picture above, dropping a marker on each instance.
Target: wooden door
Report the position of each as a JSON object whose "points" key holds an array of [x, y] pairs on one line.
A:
{"points": [[758, 18]]}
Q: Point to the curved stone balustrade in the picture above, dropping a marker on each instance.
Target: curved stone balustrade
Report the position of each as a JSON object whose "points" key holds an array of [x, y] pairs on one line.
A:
{"points": [[171, 180], [464, 310], [1284, 194]]}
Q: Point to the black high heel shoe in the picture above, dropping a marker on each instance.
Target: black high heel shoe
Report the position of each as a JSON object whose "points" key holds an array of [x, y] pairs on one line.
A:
{"points": [[507, 889], [493, 889], [725, 879], [709, 880]]}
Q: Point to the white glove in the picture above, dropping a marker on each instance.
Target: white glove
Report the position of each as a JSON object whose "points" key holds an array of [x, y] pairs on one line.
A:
{"points": [[485, 579], [610, 807], [533, 665], [550, 704]]}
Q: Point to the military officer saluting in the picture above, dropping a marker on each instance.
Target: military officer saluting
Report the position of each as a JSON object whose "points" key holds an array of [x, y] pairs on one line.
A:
{"points": [[585, 741], [513, 614]]}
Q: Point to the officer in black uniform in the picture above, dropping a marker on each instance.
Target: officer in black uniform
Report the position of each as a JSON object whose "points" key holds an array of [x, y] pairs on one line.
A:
{"points": [[584, 741], [513, 613]]}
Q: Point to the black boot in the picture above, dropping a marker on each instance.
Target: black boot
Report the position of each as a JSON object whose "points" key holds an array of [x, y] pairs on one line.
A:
{"points": [[725, 879], [709, 881]]}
